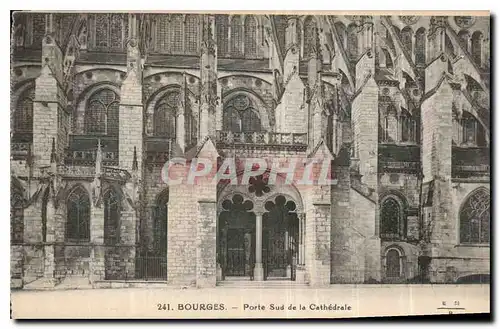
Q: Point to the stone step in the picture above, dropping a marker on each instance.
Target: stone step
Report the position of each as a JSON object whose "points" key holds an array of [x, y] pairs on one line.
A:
{"points": [[261, 284]]}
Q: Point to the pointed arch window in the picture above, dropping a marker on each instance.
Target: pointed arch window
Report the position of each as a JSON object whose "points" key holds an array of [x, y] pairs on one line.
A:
{"points": [[391, 219], [23, 117], [393, 264], [241, 116], [250, 36], [280, 21], [472, 132], [222, 26], [464, 38], [109, 31], [477, 48], [165, 115], [191, 35], [236, 36], [420, 47], [352, 42], [309, 35], [78, 219], [112, 212], [406, 39], [475, 218], [16, 217], [176, 36], [408, 128], [161, 31], [38, 21], [101, 113], [190, 124]]}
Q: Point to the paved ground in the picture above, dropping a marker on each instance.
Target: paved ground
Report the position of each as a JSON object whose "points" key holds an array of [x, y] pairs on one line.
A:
{"points": [[222, 302]]}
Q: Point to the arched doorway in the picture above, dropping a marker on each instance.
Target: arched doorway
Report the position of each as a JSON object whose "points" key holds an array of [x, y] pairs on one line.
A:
{"points": [[260, 237], [280, 238], [237, 237]]}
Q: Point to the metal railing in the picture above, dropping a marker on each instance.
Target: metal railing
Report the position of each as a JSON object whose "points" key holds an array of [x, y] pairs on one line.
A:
{"points": [[263, 138]]}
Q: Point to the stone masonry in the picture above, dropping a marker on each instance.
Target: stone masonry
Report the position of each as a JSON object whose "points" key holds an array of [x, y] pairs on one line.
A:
{"points": [[398, 106]]}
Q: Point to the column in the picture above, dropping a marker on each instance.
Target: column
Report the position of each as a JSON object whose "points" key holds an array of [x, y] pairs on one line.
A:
{"points": [[288, 255], [302, 239], [180, 130], [300, 272], [258, 270]]}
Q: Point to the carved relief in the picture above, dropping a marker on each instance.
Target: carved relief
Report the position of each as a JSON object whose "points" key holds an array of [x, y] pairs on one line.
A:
{"points": [[409, 20], [465, 22]]}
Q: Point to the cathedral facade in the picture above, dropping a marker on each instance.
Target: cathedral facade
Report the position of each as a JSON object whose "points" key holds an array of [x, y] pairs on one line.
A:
{"points": [[398, 106]]}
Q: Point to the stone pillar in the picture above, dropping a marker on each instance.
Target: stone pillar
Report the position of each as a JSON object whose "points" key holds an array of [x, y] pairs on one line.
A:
{"points": [[127, 238], [50, 102], [97, 240], [49, 252], [180, 130], [287, 252], [131, 108], [318, 245], [206, 244], [259, 269]]}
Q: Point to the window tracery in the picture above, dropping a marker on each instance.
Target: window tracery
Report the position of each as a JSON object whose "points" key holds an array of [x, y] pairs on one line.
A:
{"points": [[475, 218], [23, 117], [241, 116], [102, 113], [391, 219], [78, 220], [165, 115]]}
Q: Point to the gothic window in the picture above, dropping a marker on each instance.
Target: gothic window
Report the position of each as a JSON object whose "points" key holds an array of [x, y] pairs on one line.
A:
{"points": [[112, 211], [475, 218], [388, 59], [341, 31], [16, 217], [165, 115], [388, 121], [476, 47], [420, 47], [160, 224], [222, 25], [464, 37], [250, 36], [232, 120], [352, 42], [191, 34], [38, 21], [101, 113], [78, 220], [176, 30], [309, 35], [281, 24], [236, 36], [23, 118], [109, 31], [408, 128], [406, 39], [162, 30], [190, 124], [391, 219], [471, 131], [393, 264], [241, 116]]}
